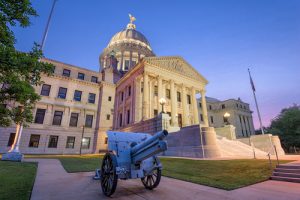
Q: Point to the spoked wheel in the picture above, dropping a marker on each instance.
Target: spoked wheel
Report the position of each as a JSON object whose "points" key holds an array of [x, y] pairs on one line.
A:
{"points": [[109, 178], [152, 180]]}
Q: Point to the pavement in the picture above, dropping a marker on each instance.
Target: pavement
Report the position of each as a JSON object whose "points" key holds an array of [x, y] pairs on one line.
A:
{"points": [[54, 183]]}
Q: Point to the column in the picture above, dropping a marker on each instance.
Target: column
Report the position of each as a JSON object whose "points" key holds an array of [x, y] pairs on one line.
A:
{"points": [[130, 65], [173, 104], [204, 107], [116, 108], [194, 106], [184, 107], [159, 95], [121, 64], [146, 97]]}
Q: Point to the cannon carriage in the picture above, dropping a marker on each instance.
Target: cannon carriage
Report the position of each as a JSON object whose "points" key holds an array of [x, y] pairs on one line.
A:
{"points": [[132, 156]]}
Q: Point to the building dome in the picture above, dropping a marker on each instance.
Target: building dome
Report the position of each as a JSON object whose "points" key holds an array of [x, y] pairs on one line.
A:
{"points": [[129, 36], [129, 47]]}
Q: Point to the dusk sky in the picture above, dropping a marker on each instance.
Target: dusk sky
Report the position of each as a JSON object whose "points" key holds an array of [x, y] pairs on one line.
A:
{"points": [[221, 39]]}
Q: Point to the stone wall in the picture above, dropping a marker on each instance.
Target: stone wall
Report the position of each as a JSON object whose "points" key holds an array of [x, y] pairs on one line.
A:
{"points": [[148, 126]]}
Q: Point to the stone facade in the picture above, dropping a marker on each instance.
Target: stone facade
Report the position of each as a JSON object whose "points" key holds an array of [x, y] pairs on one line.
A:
{"points": [[240, 115], [78, 105]]}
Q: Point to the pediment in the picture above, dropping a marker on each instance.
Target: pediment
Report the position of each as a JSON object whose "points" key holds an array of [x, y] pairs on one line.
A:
{"points": [[176, 64]]}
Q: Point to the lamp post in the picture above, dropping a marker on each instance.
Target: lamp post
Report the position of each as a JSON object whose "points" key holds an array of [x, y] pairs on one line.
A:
{"points": [[81, 140], [162, 102], [226, 117]]}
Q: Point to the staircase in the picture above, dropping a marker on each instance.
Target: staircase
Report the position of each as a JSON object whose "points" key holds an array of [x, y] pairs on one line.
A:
{"points": [[287, 172], [235, 148]]}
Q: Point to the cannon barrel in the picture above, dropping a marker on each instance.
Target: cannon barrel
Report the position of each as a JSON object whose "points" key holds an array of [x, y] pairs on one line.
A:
{"points": [[150, 147], [158, 136]]}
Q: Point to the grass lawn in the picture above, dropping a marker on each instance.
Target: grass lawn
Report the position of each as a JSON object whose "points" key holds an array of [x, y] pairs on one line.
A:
{"points": [[224, 174], [16, 179]]}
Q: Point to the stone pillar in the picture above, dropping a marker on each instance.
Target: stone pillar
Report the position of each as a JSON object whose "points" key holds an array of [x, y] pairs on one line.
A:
{"points": [[146, 97], [121, 64], [204, 108], [210, 147], [115, 124], [160, 94], [195, 109], [174, 121], [130, 58], [184, 107]]}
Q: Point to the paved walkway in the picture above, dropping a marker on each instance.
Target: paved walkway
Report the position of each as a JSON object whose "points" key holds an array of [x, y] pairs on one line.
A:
{"points": [[53, 182]]}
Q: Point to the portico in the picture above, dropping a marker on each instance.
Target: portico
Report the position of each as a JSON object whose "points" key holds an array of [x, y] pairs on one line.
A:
{"points": [[171, 78]]}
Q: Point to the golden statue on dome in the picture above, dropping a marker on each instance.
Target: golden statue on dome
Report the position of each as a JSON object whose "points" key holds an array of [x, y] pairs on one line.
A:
{"points": [[132, 19]]}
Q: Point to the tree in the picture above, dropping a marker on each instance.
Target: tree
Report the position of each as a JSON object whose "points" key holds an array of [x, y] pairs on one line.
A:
{"points": [[287, 126], [19, 71]]}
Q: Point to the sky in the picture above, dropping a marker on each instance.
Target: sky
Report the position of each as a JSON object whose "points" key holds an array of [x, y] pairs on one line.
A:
{"points": [[221, 39]]}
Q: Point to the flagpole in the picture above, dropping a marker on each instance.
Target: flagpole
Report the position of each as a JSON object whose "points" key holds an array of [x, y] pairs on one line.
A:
{"points": [[257, 109], [47, 26]]}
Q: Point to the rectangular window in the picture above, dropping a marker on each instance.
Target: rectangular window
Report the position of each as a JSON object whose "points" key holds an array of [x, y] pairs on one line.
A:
{"points": [[94, 79], [127, 62], [11, 139], [66, 72], [225, 119], [122, 96], [92, 97], [201, 117], [62, 93], [128, 116], [120, 119], [74, 119], [223, 106], [155, 90], [133, 63], [129, 91], [57, 118], [155, 112], [178, 96], [107, 117], [237, 105], [86, 143], [34, 141], [80, 76], [39, 116], [188, 99], [168, 93], [89, 121], [53, 139], [70, 142], [45, 90], [212, 119], [77, 95], [109, 98], [200, 105], [210, 107]]}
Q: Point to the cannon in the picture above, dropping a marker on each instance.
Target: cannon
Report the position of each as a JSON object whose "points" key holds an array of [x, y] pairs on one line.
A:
{"points": [[132, 156]]}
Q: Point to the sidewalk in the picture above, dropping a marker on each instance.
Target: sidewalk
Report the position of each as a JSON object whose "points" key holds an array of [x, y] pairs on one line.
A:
{"points": [[53, 182]]}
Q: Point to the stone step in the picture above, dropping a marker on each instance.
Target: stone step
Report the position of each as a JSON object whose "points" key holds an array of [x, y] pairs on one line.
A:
{"points": [[286, 174], [288, 166], [284, 170], [287, 179]]}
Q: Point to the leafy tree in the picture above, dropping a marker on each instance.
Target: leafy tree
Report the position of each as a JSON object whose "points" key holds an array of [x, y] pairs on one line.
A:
{"points": [[19, 71], [287, 126]]}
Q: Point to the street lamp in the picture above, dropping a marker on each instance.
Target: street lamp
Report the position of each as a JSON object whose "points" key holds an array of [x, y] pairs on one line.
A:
{"points": [[226, 117], [81, 140], [162, 102]]}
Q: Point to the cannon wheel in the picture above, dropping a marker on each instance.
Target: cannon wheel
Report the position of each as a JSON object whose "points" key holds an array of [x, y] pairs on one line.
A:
{"points": [[152, 180], [109, 178]]}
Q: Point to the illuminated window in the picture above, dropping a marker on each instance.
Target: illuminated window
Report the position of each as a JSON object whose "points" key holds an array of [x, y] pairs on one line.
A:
{"points": [[86, 143], [34, 141], [70, 142]]}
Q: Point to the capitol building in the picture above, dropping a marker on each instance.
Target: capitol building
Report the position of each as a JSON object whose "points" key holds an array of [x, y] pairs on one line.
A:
{"points": [[132, 91]]}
